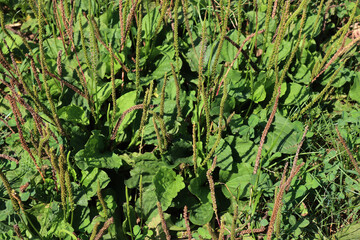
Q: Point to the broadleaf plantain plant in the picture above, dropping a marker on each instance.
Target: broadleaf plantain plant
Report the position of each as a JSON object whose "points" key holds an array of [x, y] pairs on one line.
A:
{"points": [[179, 119]]}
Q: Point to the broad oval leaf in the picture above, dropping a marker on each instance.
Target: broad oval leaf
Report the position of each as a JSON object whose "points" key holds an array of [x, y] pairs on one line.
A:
{"points": [[285, 136], [201, 214], [223, 152], [199, 187], [167, 185], [74, 114], [90, 180], [237, 184]]}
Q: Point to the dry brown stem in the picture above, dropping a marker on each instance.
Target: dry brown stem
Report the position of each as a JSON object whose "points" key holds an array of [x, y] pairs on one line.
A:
{"points": [[263, 136], [103, 229], [58, 24], [277, 204], [163, 223], [17, 231], [236, 56], [194, 146], [274, 9], [353, 161], [121, 19], [58, 63], [187, 223], [67, 23], [66, 83], [21, 136], [340, 52], [212, 188], [24, 187], [6, 123], [128, 23], [250, 231], [36, 74], [284, 184], [117, 125], [294, 166], [5, 64], [9, 158]]}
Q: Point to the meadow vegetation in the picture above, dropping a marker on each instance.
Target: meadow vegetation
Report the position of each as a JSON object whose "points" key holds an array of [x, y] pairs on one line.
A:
{"points": [[175, 119]]}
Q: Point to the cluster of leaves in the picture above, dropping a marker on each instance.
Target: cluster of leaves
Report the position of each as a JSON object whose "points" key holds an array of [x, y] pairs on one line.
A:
{"points": [[179, 119]]}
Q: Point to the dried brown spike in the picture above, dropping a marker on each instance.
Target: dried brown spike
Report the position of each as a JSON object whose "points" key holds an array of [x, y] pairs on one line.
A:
{"points": [[58, 63], [9, 158], [263, 136], [103, 229], [212, 188], [24, 187], [21, 136], [277, 203], [353, 161], [163, 223], [187, 223], [17, 231]]}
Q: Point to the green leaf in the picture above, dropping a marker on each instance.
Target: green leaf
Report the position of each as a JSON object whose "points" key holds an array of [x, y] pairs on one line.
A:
{"points": [[146, 166], [253, 120], [149, 203], [167, 185], [355, 88], [102, 68], [259, 94], [95, 144], [309, 26], [149, 22], [82, 220], [238, 183], [295, 94], [169, 119], [93, 154], [108, 196], [6, 228], [48, 216], [52, 47], [344, 76], [104, 91], [255, 19], [292, 220], [228, 51], [284, 50], [163, 66], [193, 59], [179, 152], [54, 87], [89, 181], [124, 102], [74, 114], [237, 86], [64, 230], [223, 153], [204, 233], [101, 160], [228, 107], [304, 223], [246, 150], [285, 136], [199, 187], [201, 214], [303, 74]]}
